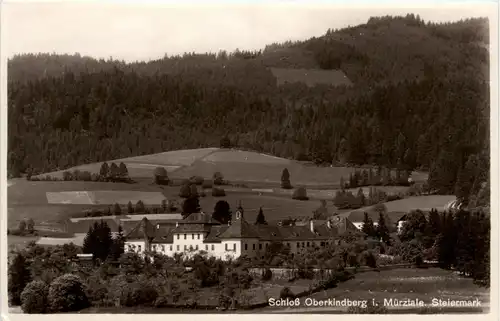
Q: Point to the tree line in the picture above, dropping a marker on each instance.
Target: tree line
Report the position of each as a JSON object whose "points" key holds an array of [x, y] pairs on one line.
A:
{"points": [[437, 121]]}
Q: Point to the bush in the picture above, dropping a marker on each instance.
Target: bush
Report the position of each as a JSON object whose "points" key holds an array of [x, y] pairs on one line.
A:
{"points": [[267, 275], [67, 293], [67, 176], [160, 176], [218, 192], [218, 178], [369, 259], [34, 298], [86, 176], [300, 194]]}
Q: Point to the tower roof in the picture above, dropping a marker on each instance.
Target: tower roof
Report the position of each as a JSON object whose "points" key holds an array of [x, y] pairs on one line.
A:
{"points": [[239, 228]]}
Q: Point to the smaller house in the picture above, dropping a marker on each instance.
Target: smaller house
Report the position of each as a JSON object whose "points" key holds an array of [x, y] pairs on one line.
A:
{"points": [[357, 218]]}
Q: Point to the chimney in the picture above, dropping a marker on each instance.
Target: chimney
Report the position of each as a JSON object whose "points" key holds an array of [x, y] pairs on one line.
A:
{"points": [[329, 224], [311, 224]]}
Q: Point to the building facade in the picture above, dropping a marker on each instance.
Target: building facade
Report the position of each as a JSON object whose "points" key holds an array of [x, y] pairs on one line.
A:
{"points": [[199, 233]]}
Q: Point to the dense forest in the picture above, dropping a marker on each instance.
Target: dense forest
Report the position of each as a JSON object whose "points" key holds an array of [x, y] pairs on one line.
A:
{"points": [[420, 99]]}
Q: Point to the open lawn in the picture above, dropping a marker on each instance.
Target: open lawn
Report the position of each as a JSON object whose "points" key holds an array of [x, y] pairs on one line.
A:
{"points": [[425, 203], [402, 284], [144, 166], [267, 173], [104, 197], [236, 166], [15, 242], [274, 207]]}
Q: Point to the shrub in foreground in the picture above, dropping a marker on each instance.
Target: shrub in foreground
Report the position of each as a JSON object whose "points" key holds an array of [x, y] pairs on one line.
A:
{"points": [[67, 293], [34, 298]]}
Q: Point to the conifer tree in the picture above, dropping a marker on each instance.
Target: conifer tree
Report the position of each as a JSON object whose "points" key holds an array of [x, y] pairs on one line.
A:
{"points": [[123, 171], [222, 212], [383, 230], [114, 172], [104, 171], [261, 220], [117, 210], [360, 198], [19, 277], [139, 207], [285, 179], [368, 227], [130, 208]]}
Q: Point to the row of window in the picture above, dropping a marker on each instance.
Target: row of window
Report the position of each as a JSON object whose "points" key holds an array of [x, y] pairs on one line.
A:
{"points": [[192, 236], [162, 247], [299, 244]]}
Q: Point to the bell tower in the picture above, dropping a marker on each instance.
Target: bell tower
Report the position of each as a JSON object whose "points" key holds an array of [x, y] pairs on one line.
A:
{"points": [[239, 212]]}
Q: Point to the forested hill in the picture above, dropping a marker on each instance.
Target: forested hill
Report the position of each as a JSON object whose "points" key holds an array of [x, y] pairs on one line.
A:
{"points": [[419, 98]]}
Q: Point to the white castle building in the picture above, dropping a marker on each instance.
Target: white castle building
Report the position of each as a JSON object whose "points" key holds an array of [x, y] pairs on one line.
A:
{"points": [[200, 232]]}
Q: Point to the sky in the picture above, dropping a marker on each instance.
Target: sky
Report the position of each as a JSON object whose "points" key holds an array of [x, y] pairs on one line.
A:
{"points": [[130, 31]]}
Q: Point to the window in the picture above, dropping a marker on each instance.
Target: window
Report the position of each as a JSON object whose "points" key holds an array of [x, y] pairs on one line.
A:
{"points": [[322, 243], [298, 244], [185, 236], [307, 244], [178, 236], [213, 247], [190, 247], [303, 244], [178, 248], [185, 247], [192, 236], [288, 244], [196, 247], [154, 248], [139, 248], [260, 246], [163, 248], [234, 247], [198, 236], [246, 247], [253, 246], [226, 247], [206, 247], [170, 247]]}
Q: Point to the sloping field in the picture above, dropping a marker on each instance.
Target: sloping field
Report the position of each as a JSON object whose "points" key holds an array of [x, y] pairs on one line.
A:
{"points": [[241, 156], [23, 192], [123, 197], [266, 173], [172, 158], [77, 240], [424, 203], [104, 197], [273, 207], [77, 197], [143, 166], [27, 199]]}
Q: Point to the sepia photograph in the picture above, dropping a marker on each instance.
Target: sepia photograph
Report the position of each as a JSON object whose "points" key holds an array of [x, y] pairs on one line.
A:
{"points": [[252, 158]]}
